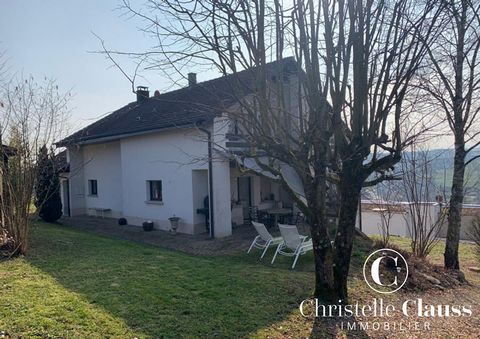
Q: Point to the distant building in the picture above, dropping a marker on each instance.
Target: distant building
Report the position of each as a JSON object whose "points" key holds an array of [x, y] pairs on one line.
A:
{"points": [[374, 213]]}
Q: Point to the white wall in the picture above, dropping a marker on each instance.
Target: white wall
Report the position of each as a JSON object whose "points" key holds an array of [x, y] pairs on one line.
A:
{"points": [[400, 223], [256, 190], [222, 210], [102, 162], [169, 156], [179, 158], [200, 191], [430, 214], [466, 227], [221, 198], [220, 128], [372, 221]]}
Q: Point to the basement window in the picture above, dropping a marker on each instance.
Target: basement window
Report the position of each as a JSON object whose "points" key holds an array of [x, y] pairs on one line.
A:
{"points": [[155, 190], [92, 187]]}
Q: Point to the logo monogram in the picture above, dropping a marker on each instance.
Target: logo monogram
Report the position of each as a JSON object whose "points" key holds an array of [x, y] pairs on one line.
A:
{"points": [[385, 271]]}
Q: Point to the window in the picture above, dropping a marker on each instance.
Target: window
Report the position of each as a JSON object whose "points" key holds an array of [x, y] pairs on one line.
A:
{"points": [[92, 187], [155, 190]]}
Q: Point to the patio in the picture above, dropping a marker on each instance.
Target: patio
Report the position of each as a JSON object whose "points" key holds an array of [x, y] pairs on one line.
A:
{"points": [[199, 244]]}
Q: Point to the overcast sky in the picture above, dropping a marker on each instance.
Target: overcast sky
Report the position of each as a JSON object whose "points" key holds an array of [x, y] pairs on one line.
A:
{"points": [[54, 38]]}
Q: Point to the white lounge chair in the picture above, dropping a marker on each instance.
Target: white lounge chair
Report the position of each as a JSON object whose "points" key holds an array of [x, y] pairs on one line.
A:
{"points": [[293, 244], [264, 239]]}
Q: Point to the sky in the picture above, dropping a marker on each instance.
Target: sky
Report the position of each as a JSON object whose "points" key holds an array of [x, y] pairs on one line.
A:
{"points": [[55, 39]]}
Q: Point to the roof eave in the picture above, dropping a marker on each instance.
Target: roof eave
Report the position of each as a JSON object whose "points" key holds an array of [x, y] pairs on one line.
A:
{"points": [[113, 137]]}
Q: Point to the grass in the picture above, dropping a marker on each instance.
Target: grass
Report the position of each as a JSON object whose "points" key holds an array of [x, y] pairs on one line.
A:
{"points": [[466, 250], [79, 285], [75, 284]]}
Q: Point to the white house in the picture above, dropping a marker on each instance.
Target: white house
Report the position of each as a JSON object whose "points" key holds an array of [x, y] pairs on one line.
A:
{"points": [[149, 160]]}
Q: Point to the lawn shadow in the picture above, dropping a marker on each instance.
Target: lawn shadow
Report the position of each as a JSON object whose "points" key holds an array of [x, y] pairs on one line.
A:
{"points": [[164, 293]]}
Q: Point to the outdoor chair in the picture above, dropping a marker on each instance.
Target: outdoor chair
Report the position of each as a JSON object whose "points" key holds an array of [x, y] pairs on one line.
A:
{"points": [[264, 239], [293, 244]]}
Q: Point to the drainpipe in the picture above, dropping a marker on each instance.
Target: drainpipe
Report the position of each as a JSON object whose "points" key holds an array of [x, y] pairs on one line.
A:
{"points": [[210, 177]]}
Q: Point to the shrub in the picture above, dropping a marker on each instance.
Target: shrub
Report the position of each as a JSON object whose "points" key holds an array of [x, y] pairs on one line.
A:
{"points": [[47, 187]]}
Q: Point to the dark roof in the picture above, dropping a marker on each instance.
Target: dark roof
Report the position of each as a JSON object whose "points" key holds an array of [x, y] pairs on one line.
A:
{"points": [[179, 108]]}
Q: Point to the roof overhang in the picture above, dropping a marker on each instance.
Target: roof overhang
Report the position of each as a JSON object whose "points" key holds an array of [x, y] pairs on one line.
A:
{"points": [[113, 137], [290, 176]]}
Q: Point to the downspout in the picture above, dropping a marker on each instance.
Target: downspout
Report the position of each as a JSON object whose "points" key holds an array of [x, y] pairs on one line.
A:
{"points": [[210, 177]]}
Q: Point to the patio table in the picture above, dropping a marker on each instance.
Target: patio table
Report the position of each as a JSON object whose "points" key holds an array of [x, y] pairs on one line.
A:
{"points": [[277, 212]]}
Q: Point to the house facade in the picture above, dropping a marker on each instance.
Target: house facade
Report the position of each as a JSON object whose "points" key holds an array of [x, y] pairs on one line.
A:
{"points": [[167, 155]]}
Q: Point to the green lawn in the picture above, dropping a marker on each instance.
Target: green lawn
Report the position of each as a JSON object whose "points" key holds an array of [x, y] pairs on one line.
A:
{"points": [[74, 284]]}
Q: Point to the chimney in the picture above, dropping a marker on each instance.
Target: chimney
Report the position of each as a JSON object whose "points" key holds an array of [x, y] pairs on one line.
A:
{"points": [[142, 93], [192, 79]]}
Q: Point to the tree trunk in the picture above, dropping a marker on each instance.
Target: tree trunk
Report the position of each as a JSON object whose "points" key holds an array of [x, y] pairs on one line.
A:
{"points": [[322, 248], [456, 199], [349, 197], [323, 254], [324, 283], [455, 210]]}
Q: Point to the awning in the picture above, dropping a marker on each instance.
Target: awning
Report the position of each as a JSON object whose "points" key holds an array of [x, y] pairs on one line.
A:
{"points": [[289, 174]]}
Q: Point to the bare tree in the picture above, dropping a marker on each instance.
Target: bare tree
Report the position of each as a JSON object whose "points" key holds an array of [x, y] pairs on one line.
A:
{"points": [[453, 81], [33, 114], [385, 199], [424, 219], [355, 60], [377, 61]]}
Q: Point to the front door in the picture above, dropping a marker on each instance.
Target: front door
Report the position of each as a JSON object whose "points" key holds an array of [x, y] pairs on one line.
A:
{"points": [[244, 195]]}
